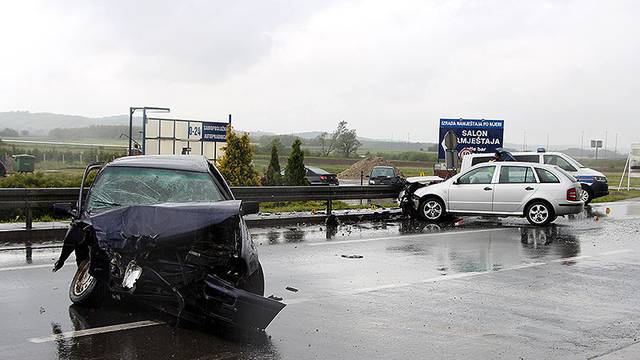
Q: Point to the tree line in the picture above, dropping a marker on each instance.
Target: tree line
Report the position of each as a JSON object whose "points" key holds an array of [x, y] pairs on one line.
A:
{"points": [[236, 165]]}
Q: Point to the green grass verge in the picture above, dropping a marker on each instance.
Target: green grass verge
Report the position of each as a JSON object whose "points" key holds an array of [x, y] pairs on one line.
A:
{"points": [[614, 179], [615, 195]]}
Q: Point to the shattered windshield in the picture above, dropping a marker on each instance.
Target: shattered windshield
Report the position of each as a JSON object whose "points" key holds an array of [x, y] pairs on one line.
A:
{"points": [[125, 186]]}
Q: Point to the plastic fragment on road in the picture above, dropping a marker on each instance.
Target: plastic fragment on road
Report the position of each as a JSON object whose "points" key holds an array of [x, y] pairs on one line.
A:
{"points": [[292, 289], [352, 256]]}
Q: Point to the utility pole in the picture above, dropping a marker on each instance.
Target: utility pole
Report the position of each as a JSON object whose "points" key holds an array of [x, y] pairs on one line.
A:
{"points": [[547, 147], [615, 149], [582, 143], [524, 140], [604, 154]]}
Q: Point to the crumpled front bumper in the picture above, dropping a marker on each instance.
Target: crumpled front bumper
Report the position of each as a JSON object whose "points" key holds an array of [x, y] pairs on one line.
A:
{"points": [[238, 307]]}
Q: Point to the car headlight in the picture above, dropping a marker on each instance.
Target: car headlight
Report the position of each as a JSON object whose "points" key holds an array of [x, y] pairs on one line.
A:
{"points": [[600, 178]]}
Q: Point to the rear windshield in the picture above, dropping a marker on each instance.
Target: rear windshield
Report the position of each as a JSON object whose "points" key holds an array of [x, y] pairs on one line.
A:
{"points": [[566, 174], [317, 170], [126, 186]]}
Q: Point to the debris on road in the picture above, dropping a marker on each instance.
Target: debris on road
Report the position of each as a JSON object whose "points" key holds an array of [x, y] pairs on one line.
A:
{"points": [[292, 289], [276, 298], [352, 256]]}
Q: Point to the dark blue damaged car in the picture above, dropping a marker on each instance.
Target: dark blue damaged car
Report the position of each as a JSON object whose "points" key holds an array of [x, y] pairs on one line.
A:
{"points": [[166, 231]]}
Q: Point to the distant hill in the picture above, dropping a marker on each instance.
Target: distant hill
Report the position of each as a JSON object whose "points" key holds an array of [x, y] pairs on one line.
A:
{"points": [[41, 123]]}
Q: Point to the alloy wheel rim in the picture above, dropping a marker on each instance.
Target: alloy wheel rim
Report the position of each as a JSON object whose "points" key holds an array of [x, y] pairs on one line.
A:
{"points": [[538, 213], [584, 195], [84, 280], [432, 209]]}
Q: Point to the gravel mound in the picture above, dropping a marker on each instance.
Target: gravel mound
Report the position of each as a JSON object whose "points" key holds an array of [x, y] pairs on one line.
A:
{"points": [[365, 165]]}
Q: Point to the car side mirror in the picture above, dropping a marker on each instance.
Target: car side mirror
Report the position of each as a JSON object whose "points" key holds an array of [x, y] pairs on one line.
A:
{"points": [[64, 209], [249, 207]]}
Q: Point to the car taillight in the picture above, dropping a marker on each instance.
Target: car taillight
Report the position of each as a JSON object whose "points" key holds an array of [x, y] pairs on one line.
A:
{"points": [[572, 194], [322, 177]]}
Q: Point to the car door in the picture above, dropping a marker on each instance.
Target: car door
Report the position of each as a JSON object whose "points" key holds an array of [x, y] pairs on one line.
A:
{"points": [[473, 191], [515, 186]]}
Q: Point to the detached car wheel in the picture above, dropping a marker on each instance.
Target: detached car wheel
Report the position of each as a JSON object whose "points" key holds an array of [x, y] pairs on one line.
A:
{"points": [[85, 290], [254, 283], [432, 209], [586, 195], [540, 213]]}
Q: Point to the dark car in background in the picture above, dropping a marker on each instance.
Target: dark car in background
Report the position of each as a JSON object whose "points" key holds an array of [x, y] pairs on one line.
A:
{"points": [[317, 176], [383, 175]]}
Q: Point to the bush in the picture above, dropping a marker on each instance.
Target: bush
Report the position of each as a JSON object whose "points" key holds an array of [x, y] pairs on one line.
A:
{"points": [[272, 175], [295, 171], [236, 163]]}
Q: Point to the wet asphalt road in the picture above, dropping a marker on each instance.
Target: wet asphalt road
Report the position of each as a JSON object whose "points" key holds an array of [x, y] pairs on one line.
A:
{"points": [[483, 289]]}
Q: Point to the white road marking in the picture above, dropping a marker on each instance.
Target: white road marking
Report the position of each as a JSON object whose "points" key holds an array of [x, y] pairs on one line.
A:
{"points": [[28, 267], [615, 252], [400, 285], [406, 237], [447, 278], [573, 258], [95, 331]]}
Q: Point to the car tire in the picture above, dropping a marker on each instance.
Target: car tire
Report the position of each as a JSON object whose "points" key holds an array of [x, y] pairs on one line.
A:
{"points": [[540, 213], [432, 209], [586, 195], [85, 290], [254, 283]]}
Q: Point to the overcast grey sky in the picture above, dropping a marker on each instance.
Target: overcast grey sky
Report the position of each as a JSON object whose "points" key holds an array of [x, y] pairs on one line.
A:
{"points": [[389, 68]]}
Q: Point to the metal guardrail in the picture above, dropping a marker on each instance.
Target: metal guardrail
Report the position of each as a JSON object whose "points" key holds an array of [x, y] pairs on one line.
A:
{"points": [[42, 197]]}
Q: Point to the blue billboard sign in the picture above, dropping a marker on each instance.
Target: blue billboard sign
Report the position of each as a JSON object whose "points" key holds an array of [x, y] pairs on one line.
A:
{"points": [[214, 131], [472, 135]]}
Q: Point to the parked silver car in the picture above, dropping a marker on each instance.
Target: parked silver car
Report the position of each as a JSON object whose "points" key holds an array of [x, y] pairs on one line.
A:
{"points": [[538, 192]]}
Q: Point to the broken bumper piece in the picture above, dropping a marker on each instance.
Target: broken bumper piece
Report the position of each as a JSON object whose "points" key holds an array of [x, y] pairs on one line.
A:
{"points": [[238, 307]]}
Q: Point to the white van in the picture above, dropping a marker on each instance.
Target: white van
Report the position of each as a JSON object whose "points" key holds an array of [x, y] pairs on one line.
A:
{"points": [[594, 183]]}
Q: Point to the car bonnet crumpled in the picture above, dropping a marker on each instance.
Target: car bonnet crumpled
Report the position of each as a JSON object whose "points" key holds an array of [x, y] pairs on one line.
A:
{"points": [[145, 227]]}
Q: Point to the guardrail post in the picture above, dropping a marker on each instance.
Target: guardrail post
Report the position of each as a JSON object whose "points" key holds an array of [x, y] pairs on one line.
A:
{"points": [[29, 219], [329, 206]]}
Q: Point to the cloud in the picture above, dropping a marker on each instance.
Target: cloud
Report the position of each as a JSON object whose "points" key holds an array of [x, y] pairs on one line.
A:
{"points": [[558, 67]]}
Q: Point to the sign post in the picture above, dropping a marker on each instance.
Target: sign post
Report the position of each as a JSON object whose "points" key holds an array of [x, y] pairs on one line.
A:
{"points": [[596, 144], [459, 137]]}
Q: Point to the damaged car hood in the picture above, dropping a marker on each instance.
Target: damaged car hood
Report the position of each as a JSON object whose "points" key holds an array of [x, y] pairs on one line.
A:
{"points": [[144, 227]]}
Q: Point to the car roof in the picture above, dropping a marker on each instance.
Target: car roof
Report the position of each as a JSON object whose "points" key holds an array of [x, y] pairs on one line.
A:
{"points": [[518, 153], [195, 163], [516, 163]]}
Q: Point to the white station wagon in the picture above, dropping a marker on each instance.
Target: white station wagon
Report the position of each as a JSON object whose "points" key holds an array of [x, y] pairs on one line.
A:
{"points": [[538, 192]]}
